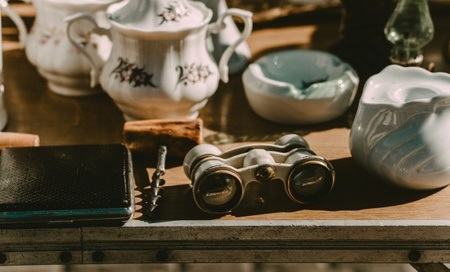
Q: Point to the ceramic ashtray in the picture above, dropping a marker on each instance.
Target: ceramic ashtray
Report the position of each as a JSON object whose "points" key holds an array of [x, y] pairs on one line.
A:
{"points": [[300, 86], [401, 127]]}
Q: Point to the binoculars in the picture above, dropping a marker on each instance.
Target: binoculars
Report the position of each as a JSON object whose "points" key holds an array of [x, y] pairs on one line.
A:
{"points": [[219, 178]]}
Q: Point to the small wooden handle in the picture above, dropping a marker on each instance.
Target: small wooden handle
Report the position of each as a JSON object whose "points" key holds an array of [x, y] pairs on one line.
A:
{"points": [[11, 139], [146, 136]]}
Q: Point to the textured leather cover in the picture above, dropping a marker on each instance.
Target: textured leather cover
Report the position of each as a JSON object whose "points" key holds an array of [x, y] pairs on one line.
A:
{"points": [[66, 183]]}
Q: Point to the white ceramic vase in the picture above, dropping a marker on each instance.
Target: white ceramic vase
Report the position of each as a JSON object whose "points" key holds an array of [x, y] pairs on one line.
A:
{"points": [[401, 127]]}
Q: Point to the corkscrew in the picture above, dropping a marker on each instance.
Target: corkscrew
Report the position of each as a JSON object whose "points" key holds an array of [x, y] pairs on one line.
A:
{"points": [[157, 182]]}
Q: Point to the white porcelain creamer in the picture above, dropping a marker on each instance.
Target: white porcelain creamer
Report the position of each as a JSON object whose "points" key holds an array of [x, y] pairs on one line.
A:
{"points": [[48, 48]]}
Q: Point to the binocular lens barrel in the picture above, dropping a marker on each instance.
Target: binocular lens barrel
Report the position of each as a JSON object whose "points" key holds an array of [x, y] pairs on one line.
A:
{"points": [[310, 182], [218, 191]]}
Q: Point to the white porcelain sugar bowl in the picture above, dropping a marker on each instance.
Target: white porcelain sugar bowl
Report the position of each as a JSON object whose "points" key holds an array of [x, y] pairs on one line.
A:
{"points": [[159, 66], [401, 127], [48, 48]]}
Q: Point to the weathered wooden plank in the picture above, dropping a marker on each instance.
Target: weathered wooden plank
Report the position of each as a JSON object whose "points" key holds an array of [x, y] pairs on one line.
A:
{"points": [[40, 239], [42, 257], [40, 246], [209, 255], [276, 230], [272, 241]]}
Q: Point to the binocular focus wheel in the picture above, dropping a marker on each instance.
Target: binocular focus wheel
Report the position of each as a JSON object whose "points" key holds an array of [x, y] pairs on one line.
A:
{"points": [[198, 153], [291, 139]]}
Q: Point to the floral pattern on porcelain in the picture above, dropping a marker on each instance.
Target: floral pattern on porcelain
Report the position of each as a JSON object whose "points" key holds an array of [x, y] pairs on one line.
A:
{"points": [[48, 33], [57, 35], [173, 12], [193, 73], [129, 72]]}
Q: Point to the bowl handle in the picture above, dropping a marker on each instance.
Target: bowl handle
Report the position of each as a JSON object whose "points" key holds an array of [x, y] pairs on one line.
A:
{"points": [[95, 66], [219, 25]]}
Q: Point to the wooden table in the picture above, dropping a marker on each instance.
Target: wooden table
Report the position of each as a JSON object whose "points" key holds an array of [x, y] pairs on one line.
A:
{"points": [[361, 220]]}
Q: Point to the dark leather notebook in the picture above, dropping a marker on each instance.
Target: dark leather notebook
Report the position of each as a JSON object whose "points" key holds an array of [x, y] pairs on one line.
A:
{"points": [[66, 185]]}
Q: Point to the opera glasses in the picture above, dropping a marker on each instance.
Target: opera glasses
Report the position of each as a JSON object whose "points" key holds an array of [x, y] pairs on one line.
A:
{"points": [[219, 178]]}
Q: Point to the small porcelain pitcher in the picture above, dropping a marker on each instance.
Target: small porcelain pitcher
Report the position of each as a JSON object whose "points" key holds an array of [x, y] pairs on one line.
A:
{"points": [[48, 48], [159, 66]]}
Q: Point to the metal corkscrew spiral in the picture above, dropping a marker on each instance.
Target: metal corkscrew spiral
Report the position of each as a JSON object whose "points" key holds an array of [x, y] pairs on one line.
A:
{"points": [[157, 181]]}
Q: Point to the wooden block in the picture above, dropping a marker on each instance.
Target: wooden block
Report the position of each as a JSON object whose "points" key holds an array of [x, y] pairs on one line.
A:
{"points": [[146, 136], [14, 139]]}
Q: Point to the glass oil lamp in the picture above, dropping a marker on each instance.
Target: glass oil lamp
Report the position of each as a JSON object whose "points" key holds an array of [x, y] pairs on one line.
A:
{"points": [[409, 29]]}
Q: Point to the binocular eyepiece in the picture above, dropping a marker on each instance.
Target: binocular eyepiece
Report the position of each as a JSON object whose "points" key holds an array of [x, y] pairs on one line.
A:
{"points": [[219, 178]]}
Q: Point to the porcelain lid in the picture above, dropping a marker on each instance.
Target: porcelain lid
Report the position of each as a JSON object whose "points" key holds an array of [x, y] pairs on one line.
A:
{"points": [[159, 15]]}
